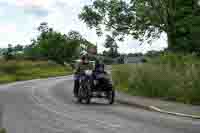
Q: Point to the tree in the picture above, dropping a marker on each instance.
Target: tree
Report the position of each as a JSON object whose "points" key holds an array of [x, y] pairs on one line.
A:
{"points": [[43, 28], [111, 44], [84, 44], [74, 35], [8, 55], [145, 19], [135, 54], [56, 46], [2, 51], [18, 47], [187, 26], [33, 50]]}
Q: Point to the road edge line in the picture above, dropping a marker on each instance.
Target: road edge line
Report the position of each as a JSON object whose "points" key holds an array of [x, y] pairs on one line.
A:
{"points": [[174, 113], [156, 109]]}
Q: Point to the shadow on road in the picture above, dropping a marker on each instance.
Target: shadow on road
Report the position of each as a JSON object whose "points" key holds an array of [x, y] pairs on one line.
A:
{"points": [[95, 103]]}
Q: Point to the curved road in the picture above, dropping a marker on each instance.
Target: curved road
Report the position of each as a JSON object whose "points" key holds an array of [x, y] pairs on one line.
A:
{"points": [[47, 106]]}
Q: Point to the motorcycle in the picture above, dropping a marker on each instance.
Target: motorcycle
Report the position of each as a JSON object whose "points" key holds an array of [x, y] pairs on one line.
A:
{"points": [[84, 92], [99, 86]]}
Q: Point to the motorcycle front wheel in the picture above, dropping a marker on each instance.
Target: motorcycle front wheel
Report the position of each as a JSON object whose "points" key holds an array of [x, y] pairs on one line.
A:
{"points": [[88, 93], [111, 96], [84, 93]]}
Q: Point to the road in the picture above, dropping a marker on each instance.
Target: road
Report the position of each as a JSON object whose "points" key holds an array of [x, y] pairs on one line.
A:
{"points": [[47, 106]]}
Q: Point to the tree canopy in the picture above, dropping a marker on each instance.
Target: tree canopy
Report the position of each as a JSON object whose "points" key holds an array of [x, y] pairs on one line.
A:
{"points": [[145, 20], [56, 46], [111, 44]]}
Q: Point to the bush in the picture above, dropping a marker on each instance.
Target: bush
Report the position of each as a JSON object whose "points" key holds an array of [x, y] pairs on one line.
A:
{"points": [[9, 67], [169, 77]]}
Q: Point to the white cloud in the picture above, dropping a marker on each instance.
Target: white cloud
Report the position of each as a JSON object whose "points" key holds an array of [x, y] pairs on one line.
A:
{"points": [[134, 46], [6, 31], [8, 28], [32, 3]]}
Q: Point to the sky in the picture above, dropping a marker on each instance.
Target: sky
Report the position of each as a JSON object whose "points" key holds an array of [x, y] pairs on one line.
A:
{"points": [[19, 20]]}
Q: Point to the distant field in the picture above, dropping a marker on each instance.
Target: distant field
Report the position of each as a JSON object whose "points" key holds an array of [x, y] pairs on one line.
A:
{"points": [[171, 78], [2, 130], [11, 71]]}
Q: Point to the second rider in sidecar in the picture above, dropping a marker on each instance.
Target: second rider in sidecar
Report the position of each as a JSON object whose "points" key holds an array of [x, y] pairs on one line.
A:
{"points": [[102, 85]]}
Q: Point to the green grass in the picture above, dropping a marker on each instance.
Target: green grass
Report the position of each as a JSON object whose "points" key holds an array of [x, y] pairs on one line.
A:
{"points": [[170, 77], [2, 131], [11, 71]]}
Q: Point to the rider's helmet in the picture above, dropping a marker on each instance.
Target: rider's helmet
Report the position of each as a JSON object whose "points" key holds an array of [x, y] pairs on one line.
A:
{"points": [[84, 58]]}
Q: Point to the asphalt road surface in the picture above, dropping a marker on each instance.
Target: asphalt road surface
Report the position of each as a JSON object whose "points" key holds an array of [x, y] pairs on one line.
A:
{"points": [[47, 106]]}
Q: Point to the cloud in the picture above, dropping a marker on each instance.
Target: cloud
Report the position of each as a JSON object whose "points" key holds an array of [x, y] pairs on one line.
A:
{"points": [[37, 8], [31, 3], [133, 46], [37, 11], [8, 28]]}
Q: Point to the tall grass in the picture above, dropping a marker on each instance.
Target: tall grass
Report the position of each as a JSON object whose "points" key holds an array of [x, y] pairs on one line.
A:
{"points": [[2, 131], [170, 77], [26, 70]]}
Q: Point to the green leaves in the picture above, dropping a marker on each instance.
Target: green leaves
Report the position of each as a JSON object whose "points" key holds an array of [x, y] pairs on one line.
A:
{"points": [[111, 44], [56, 46], [120, 17], [145, 20], [90, 17]]}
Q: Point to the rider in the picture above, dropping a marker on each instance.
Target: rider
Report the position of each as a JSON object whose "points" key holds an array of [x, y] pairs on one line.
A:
{"points": [[99, 66], [98, 70], [84, 64]]}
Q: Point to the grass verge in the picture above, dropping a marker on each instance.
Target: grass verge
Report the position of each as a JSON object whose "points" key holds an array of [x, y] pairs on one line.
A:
{"points": [[170, 78], [11, 71], [2, 130]]}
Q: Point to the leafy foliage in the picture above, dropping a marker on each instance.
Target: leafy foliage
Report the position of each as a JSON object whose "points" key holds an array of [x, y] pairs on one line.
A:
{"points": [[2, 51], [56, 46], [111, 44], [146, 20], [18, 47]]}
